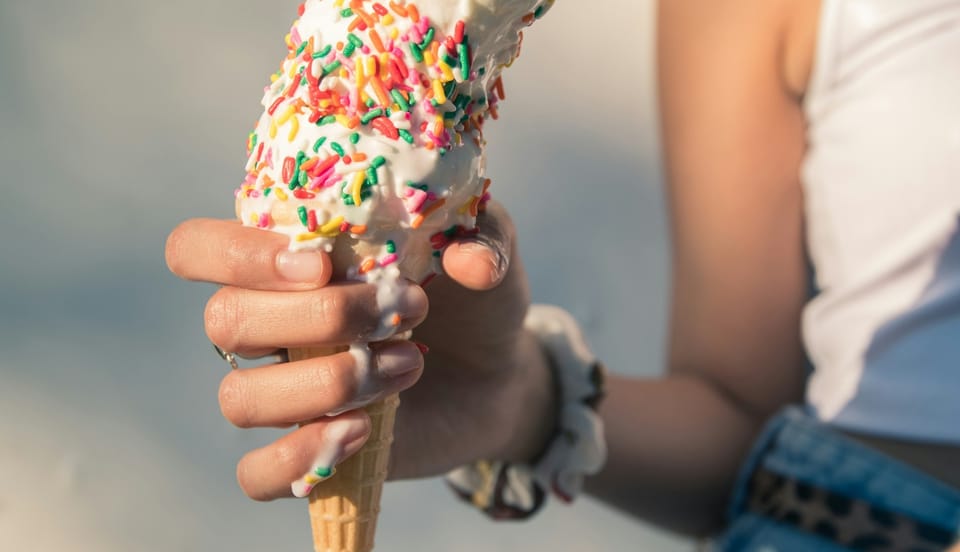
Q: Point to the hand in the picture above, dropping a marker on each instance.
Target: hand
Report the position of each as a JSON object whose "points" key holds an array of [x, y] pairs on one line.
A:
{"points": [[271, 299], [467, 407]]}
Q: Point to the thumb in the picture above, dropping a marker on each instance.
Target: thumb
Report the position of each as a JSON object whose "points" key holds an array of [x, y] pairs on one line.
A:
{"points": [[480, 262]]}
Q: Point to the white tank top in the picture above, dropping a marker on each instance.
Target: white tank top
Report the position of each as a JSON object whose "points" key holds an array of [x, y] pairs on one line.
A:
{"points": [[882, 186]]}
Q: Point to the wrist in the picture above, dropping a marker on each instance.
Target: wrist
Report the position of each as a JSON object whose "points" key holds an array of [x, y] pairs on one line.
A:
{"points": [[534, 403]]}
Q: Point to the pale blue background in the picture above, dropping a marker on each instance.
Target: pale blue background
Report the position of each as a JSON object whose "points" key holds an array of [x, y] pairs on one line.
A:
{"points": [[119, 119]]}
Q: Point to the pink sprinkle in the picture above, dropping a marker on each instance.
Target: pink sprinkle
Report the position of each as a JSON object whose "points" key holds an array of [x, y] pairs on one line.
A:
{"points": [[237, 192], [264, 221], [254, 193], [295, 36], [389, 259], [365, 49], [432, 196], [417, 198], [417, 33], [424, 24]]}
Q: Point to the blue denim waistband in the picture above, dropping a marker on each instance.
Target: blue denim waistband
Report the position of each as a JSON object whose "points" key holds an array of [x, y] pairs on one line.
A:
{"points": [[796, 445]]}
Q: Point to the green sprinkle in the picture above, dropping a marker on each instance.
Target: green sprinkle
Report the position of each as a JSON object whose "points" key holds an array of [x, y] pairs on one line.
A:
{"points": [[398, 97], [443, 151], [371, 115], [378, 162], [337, 148], [302, 47], [267, 192], [407, 137], [349, 49], [482, 71], [452, 231], [323, 472], [372, 176], [412, 184], [354, 40], [416, 51], [322, 53], [450, 115], [449, 88], [354, 138], [370, 102], [327, 120], [391, 247], [331, 67], [302, 211], [427, 38], [434, 103], [449, 60], [436, 254], [462, 101], [346, 13], [538, 13], [316, 146], [464, 60], [304, 179]]}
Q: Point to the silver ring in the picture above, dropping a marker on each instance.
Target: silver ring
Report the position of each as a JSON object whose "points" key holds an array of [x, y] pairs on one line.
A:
{"points": [[229, 357]]}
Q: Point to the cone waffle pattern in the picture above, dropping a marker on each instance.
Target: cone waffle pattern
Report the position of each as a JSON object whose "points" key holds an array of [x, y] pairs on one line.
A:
{"points": [[344, 508]]}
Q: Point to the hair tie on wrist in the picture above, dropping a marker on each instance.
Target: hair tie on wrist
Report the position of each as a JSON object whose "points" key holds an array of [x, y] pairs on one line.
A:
{"points": [[505, 490]]}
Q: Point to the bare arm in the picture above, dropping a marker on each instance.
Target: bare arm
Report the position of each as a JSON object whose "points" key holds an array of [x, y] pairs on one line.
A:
{"points": [[733, 135]]}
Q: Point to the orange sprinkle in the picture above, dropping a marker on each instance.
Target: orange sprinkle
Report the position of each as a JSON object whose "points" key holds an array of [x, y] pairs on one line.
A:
{"points": [[358, 229], [377, 41], [306, 166], [398, 9], [413, 13], [498, 86], [358, 157], [395, 319], [529, 19], [340, 45], [380, 91], [367, 265], [418, 222]]}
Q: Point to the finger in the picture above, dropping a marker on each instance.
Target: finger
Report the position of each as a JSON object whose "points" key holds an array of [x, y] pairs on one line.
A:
{"points": [[224, 252], [245, 321], [281, 395], [480, 262], [275, 470]]}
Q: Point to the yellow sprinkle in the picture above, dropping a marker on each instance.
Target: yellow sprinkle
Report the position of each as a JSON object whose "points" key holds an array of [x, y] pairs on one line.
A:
{"points": [[384, 63], [438, 93], [254, 219], [332, 227], [293, 70], [361, 76], [273, 128], [288, 40], [445, 69], [358, 186], [308, 237], [311, 479], [428, 57], [282, 120], [394, 33], [387, 19], [343, 120], [274, 77], [344, 74], [371, 66], [466, 207], [281, 194], [294, 129]]}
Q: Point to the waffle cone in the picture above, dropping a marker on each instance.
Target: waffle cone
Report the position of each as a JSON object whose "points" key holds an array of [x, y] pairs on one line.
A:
{"points": [[344, 508]]}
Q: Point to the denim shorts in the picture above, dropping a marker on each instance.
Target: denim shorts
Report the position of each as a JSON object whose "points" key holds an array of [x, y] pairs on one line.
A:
{"points": [[796, 447]]}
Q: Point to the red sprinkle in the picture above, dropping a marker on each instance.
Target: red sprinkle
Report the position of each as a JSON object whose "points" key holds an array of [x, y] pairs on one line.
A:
{"points": [[300, 193], [323, 166], [386, 127], [378, 7], [276, 104], [458, 32], [312, 220], [289, 165]]}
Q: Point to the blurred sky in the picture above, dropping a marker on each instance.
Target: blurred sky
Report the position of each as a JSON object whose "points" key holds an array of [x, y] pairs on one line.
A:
{"points": [[119, 119]]}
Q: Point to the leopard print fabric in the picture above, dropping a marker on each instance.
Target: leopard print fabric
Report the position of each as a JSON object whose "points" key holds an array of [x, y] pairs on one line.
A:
{"points": [[852, 523]]}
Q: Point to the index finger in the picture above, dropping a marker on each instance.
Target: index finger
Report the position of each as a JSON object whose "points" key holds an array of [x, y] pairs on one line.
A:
{"points": [[225, 252]]}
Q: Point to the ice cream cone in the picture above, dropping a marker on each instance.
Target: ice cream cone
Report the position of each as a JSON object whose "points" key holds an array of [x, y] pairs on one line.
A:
{"points": [[344, 508]]}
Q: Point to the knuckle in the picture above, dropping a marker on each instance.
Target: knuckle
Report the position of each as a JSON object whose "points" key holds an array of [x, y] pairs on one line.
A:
{"points": [[222, 318], [337, 383], [326, 311], [235, 259], [235, 400]]}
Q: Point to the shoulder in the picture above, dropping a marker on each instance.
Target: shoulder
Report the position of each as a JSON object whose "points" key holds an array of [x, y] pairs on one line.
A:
{"points": [[778, 36]]}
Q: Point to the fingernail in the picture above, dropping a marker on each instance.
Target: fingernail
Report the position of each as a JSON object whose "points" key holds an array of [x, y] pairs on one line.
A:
{"points": [[339, 435], [304, 266], [396, 361]]}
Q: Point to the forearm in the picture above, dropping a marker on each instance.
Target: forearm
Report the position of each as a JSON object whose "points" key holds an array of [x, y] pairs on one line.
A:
{"points": [[675, 446]]}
